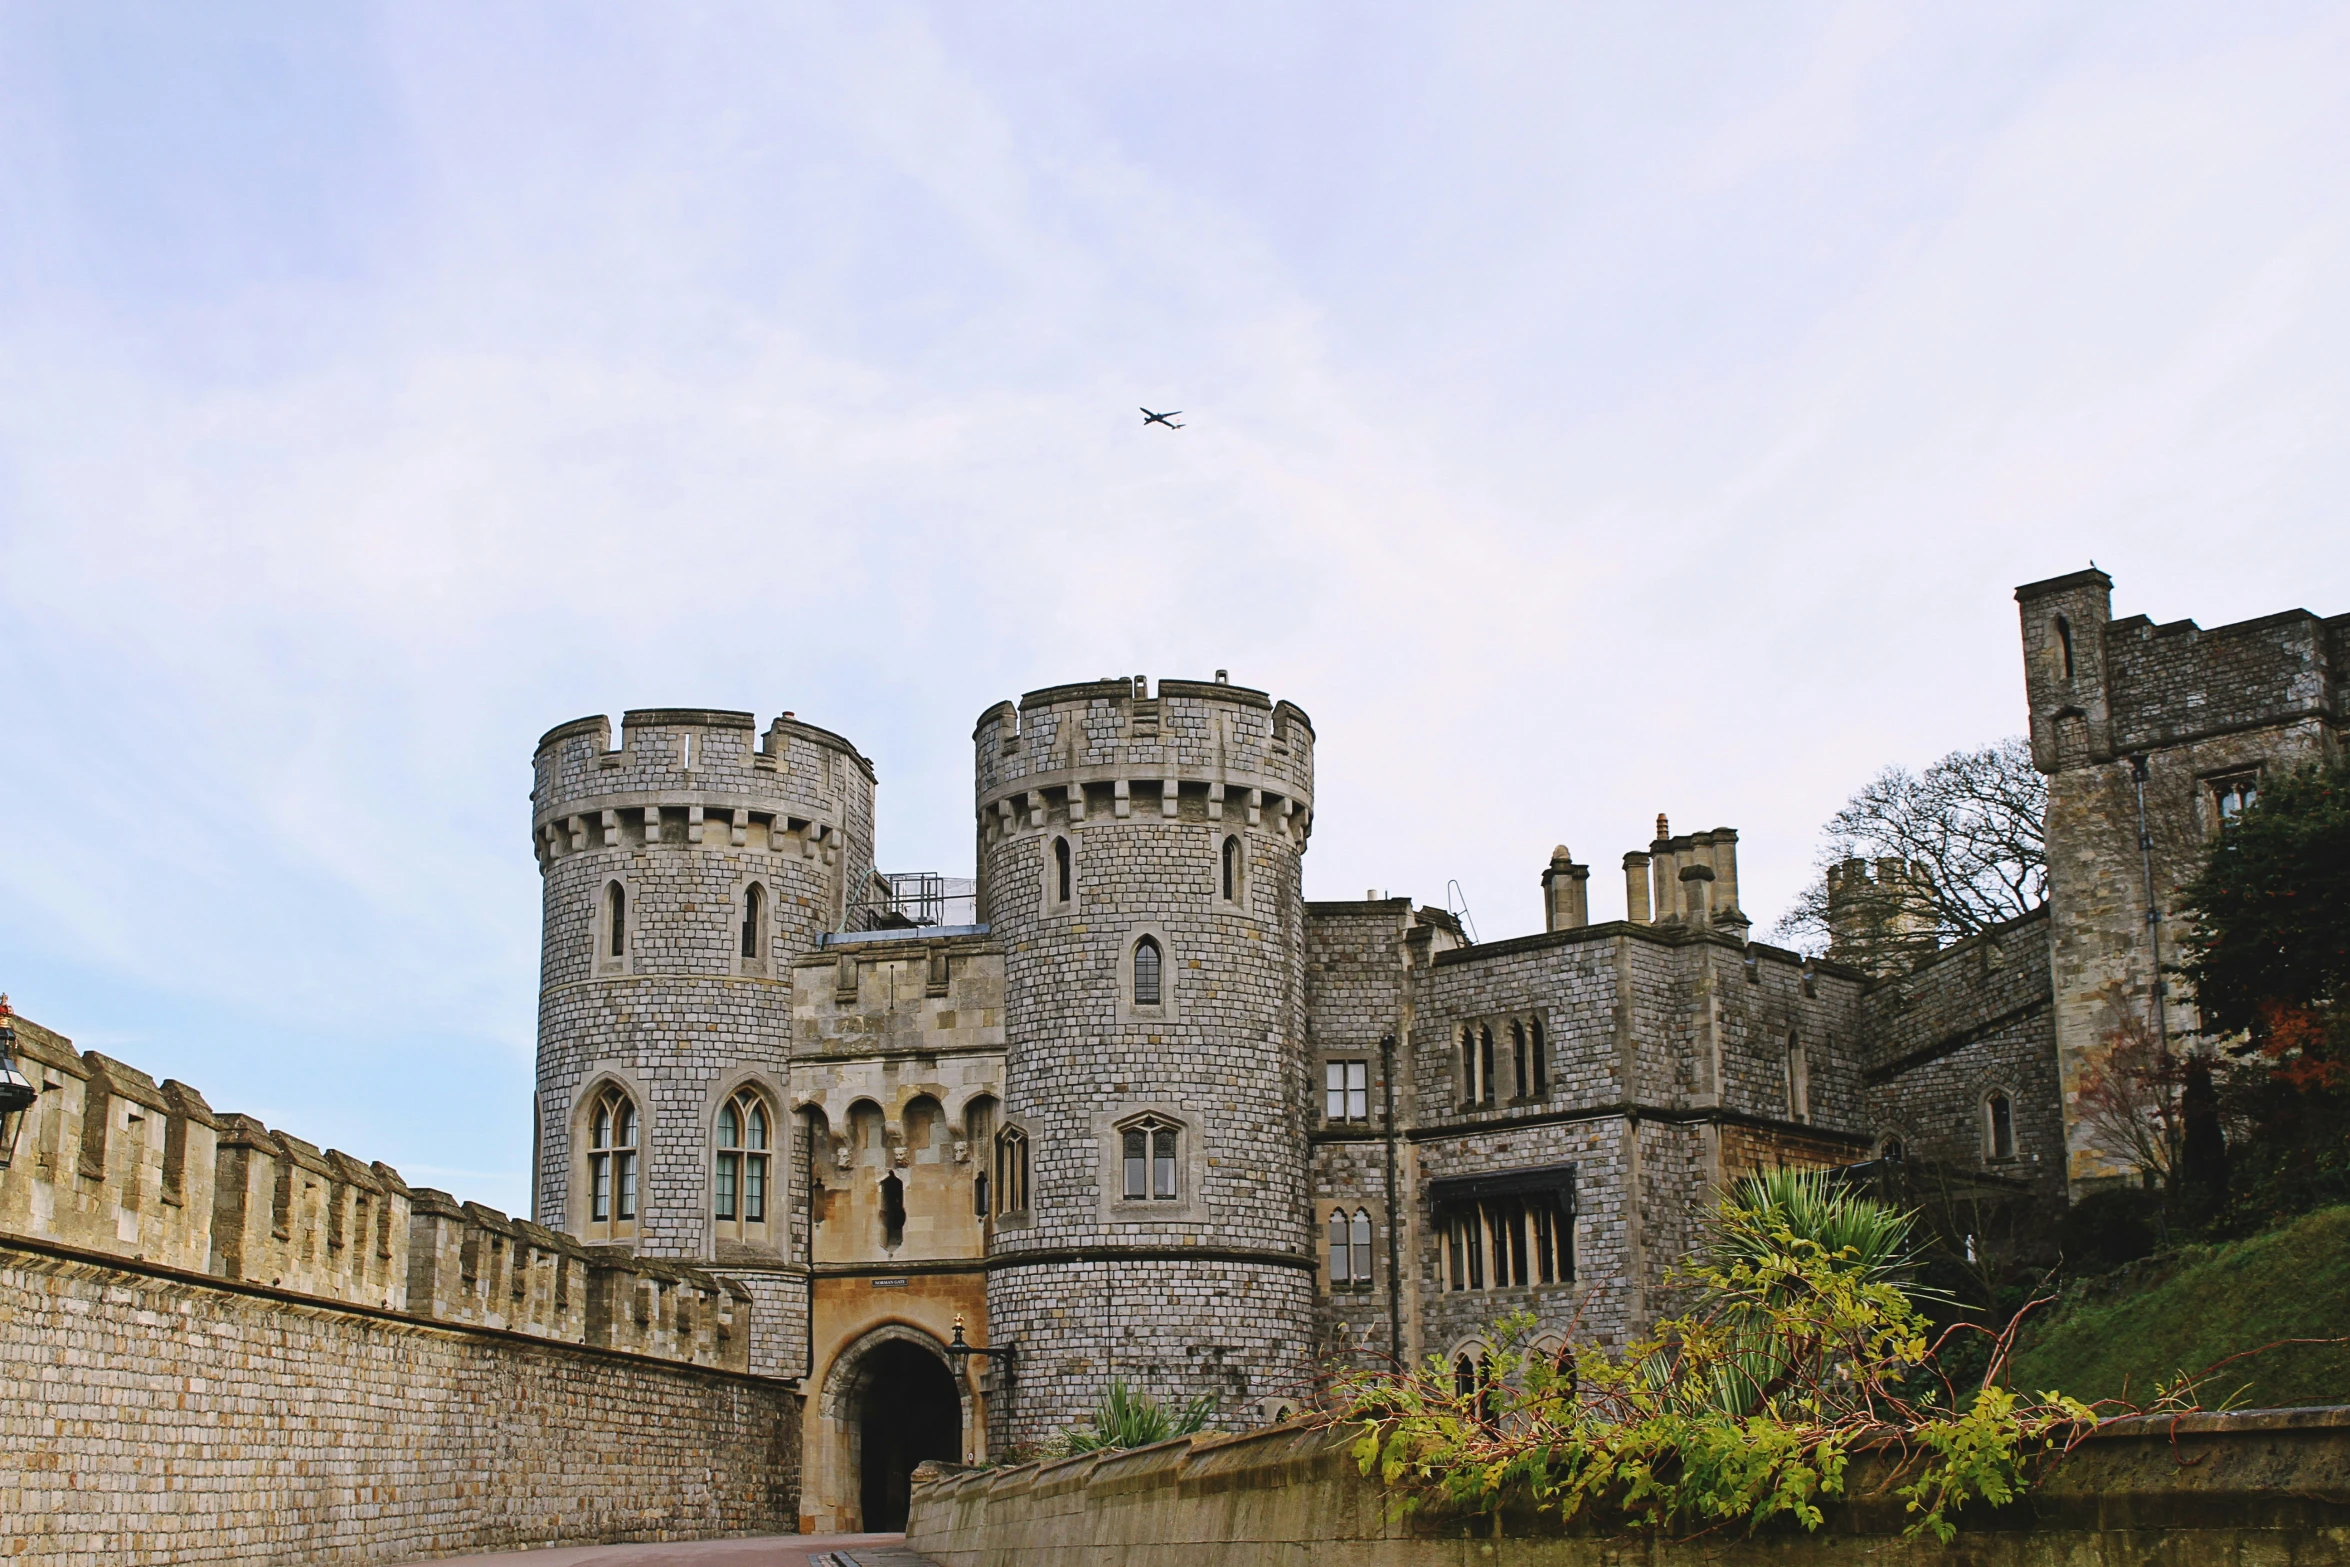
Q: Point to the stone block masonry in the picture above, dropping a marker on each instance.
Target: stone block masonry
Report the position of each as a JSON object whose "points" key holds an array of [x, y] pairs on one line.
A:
{"points": [[2260, 1486], [156, 1416]]}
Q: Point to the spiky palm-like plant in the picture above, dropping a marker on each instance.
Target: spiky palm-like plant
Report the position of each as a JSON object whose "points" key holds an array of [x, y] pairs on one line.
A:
{"points": [[1126, 1418]]}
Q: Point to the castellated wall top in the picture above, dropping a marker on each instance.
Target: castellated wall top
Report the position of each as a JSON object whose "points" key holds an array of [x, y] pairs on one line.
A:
{"points": [[109, 1163], [2130, 686], [796, 773], [1111, 736]]}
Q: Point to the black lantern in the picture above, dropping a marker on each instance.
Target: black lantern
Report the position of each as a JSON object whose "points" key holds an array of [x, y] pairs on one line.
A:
{"points": [[959, 1353], [16, 1092]]}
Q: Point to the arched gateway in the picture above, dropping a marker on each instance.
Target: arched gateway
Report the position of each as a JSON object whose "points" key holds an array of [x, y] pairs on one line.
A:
{"points": [[889, 1403]]}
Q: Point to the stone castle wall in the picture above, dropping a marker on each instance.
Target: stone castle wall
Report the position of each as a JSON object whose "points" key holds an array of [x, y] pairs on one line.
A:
{"points": [[2198, 708], [155, 1416], [232, 1345], [686, 818], [1143, 793], [1973, 1019], [2253, 1486]]}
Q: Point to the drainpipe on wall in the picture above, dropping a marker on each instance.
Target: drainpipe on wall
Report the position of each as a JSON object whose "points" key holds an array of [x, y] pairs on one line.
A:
{"points": [[1394, 1219], [2154, 942]]}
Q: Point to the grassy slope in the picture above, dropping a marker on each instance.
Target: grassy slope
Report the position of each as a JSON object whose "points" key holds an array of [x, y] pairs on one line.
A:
{"points": [[2290, 1283]]}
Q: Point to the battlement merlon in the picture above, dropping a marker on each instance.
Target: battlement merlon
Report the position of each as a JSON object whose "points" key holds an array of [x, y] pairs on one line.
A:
{"points": [[1111, 747], [697, 764]]}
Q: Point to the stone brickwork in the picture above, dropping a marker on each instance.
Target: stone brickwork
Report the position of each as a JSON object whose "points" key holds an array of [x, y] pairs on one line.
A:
{"points": [[694, 829], [2266, 1486], [2200, 711], [1180, 819], [1971, 1021], [155, 1416], [897, 1074]]}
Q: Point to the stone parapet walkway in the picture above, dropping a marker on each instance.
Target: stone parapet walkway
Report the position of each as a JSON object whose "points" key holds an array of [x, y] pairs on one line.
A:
{"points": [[777, 1550]]}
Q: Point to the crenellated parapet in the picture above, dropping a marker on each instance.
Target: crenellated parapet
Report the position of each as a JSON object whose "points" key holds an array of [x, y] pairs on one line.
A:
{"points": [[1199, 750], [692, 778], [108, 1161], [291, 1215]]}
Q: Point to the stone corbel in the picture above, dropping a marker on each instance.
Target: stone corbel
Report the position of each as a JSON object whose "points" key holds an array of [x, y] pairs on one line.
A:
{"points": [[779, 835], [578, 827], [611, 825], [1215, 802], [1003, 816], [741, 834], [553, 836], [1256, 806], [809, 840], [1036, 809], [1077, 802], [1121, 799], [693, 824], [652, 824], [1170, 797]]}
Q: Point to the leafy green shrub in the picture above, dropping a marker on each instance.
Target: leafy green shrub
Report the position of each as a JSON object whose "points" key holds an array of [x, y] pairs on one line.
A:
{"points": [[1801, 1346], [1125, 1418], [2103, 1230]]}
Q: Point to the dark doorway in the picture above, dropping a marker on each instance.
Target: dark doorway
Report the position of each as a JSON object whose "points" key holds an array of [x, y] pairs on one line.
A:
{"points": [[907, 1411]]}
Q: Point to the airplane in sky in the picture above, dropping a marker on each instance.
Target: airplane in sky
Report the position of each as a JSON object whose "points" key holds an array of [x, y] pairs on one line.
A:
{"points": [[1167, 418]]}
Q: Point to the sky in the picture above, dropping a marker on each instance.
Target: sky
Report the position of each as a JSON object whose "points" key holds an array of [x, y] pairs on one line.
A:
{"points": [[1589, 411]]}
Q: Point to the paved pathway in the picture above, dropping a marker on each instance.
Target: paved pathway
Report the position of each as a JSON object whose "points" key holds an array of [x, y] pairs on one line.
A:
{"points": [[775, 1550]]}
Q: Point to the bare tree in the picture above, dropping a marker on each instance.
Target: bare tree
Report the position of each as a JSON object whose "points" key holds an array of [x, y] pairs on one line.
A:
{"points": [[1972, 821]]}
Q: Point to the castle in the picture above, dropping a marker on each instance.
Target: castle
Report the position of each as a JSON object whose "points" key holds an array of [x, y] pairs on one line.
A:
{"points": [[1134, 1108], [929, 1163]]}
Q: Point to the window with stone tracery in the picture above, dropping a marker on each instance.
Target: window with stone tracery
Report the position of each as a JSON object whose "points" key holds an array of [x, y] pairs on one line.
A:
{"points": [[739, 1179], [1148, 1151], [612, 1166], [1011, 1171]]}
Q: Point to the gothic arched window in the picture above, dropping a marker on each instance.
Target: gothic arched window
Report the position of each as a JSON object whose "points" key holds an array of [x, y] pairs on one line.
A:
{"points": [[1521, 1077], [612, 1166], [1999, 1125], [754, 900], [1011, 1171], [1341, 1255], [1541, 1059], [738, 1185], [1063, 867], [1359, 1238], [616, 919], [1149, 960], [1232, 870]]}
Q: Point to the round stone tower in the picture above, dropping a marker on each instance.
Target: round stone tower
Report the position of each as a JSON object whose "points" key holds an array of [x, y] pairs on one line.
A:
{"points": [[681, 874], [1139, 861]]}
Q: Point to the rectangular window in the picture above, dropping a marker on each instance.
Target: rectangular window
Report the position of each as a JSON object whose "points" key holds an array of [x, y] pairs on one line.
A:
{"points": [[1137, 1171], [979, 1196], [755, 1188], [1452, 1238], [1362, 1246], [1541, 1061], [1514, 1217], [600, 1187], [1473, 1223], [1346, 1091], [1545, 1249], [723, 1192], [625, 1209], [1485, 1066], [1163, 1164]]}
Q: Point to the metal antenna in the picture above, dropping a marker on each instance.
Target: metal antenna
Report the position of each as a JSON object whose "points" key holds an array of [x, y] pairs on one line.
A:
{"points": [[1456, 904]]}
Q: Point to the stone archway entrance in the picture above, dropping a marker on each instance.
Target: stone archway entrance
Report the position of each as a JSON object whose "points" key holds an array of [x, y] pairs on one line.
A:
{"points": [[894, 1404]]}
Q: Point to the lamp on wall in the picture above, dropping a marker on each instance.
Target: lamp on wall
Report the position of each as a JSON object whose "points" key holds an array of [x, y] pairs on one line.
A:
{"points": [[16, 1092], [959, 1353]]}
